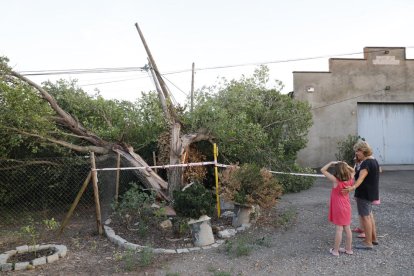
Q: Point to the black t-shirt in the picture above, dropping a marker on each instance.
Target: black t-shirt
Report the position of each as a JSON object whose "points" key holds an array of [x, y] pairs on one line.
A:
{"points": [[369, 188]]}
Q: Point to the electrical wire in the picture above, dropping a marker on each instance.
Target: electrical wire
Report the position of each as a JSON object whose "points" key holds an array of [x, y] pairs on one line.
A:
{"points": [[175, 86], [145, 68], [340, 101], [129, 69], [82, 71], [361, 95]]}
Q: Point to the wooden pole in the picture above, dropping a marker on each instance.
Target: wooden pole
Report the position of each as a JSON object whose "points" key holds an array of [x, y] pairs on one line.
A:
{"points": [[118, 172], [215, 152], [174, 174], [161, 96], [192, 88], [154, 158], [96, 194], [163, 86], [75, 203]]}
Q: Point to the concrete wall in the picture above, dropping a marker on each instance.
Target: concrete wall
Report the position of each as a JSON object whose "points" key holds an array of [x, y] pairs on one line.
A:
{"points": [[384, 75]]}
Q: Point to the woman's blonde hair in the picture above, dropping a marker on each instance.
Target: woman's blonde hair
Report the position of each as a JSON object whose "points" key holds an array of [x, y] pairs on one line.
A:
{"points": [[364, 147], [342, 171]]}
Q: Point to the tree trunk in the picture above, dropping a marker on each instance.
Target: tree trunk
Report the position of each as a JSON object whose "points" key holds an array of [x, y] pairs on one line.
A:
{"points": [[148, 177], [176, 150]]}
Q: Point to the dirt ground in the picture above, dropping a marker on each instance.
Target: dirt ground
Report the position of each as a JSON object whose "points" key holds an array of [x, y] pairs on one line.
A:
{"points": [[88, 252], [294, 241]]}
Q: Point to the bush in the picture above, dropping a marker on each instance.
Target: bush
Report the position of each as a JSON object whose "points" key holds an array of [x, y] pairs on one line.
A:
{"points": [[134, 201], [135, 210], [194, 201], [346, 149], [296, 183], [249, 184]]}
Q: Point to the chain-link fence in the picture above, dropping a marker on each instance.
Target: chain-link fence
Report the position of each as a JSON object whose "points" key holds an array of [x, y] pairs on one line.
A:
{"points": [[45, 189], [44, 186]]}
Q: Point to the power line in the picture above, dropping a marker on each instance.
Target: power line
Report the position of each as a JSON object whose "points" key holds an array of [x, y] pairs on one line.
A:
{"points": [[340, 101], [130, 69], [179, 89], [361, 95], [82, 71], [107, 70]]}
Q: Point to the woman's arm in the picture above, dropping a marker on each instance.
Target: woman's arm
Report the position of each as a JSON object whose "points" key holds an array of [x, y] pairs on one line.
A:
{"points": [[324, 171], [362, 174]]}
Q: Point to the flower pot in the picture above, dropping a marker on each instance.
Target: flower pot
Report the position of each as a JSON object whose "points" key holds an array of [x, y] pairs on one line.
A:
{"points": [[201, 231], [241, 214]]}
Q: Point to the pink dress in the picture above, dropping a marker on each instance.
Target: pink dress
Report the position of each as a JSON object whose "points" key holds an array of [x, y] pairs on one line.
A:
{"points": [[340, 206]]}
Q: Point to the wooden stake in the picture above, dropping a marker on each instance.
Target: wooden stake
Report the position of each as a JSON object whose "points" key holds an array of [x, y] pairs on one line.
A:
{"points": [[75, 203], [118, 165], [154, 158], [96, 194]]}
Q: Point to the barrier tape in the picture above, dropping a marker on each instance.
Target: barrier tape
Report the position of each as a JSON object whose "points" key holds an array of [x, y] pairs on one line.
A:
{"points": [[196, 164]]}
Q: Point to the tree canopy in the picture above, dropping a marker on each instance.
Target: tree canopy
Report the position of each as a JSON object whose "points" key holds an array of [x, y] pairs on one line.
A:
{"points": [[252, 123], [27, 120]]}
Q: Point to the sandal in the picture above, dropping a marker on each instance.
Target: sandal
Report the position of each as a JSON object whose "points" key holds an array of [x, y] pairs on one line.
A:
{"points": [[331, 251], [357, 230], [361, 236], [363, 246], [343, 250]]}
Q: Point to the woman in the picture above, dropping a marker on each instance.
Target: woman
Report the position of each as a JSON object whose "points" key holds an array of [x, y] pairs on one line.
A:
{"points": [[366, 191]]}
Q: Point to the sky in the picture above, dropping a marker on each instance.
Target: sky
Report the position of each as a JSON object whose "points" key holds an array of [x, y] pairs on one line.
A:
{"points": [[224, 38]]}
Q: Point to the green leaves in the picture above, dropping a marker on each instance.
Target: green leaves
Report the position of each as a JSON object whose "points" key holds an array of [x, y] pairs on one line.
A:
{"points": [[251, 122], [27, 120]]}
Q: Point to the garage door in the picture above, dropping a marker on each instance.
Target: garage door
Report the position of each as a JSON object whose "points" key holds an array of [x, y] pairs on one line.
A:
{"points": [[389, 129]]}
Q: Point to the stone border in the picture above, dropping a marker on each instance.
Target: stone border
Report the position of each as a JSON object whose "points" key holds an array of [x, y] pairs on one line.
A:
{"points": [[110, 233], [60, 252]]}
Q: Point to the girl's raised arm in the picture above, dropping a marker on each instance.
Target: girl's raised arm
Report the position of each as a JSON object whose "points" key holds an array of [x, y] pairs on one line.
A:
{"points": [[324, 171]]}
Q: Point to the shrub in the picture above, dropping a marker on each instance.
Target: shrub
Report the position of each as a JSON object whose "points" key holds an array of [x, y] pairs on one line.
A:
{"points": [[249, 184], [134, 200], [135, 209], [194, 201], [296, 183], [345, 149]]}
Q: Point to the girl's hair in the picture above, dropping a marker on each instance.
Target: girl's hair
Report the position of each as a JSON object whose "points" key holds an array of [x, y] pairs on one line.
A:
{"points": [[342, 172], [364, 147]]}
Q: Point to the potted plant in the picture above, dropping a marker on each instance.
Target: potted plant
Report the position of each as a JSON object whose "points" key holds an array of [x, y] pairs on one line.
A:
{"points": [[197, 203], [247, 186]]}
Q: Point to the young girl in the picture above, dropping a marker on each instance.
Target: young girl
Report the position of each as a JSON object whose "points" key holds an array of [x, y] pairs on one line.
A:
{"points": [[340, 206]]}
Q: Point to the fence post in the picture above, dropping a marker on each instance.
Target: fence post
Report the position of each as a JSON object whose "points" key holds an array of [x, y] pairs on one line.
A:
{"points": [[96, 194], [154, 158], [118, 165], [215, 152], [75, 203]]}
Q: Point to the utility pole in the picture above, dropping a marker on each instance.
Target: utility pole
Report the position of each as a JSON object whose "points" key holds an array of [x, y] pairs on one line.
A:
{"points": [[176, 149], [192, 88]]}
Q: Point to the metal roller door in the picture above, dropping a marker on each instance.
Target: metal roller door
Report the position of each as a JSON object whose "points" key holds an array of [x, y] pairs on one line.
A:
{"points": [[389, 129]]}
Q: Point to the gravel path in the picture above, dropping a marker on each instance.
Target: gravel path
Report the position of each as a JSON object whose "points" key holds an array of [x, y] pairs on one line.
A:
{"points": [[302, 249]]}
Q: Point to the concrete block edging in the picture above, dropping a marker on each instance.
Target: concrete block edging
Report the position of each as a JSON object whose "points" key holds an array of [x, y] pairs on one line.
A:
{"points": [[110, 233], [59, 252]]}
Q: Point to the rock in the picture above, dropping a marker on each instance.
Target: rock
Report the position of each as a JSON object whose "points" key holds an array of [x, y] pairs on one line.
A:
{"points": [[155, 206], [166, 224], [227, 214], [226, 234], [170, 212]]}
